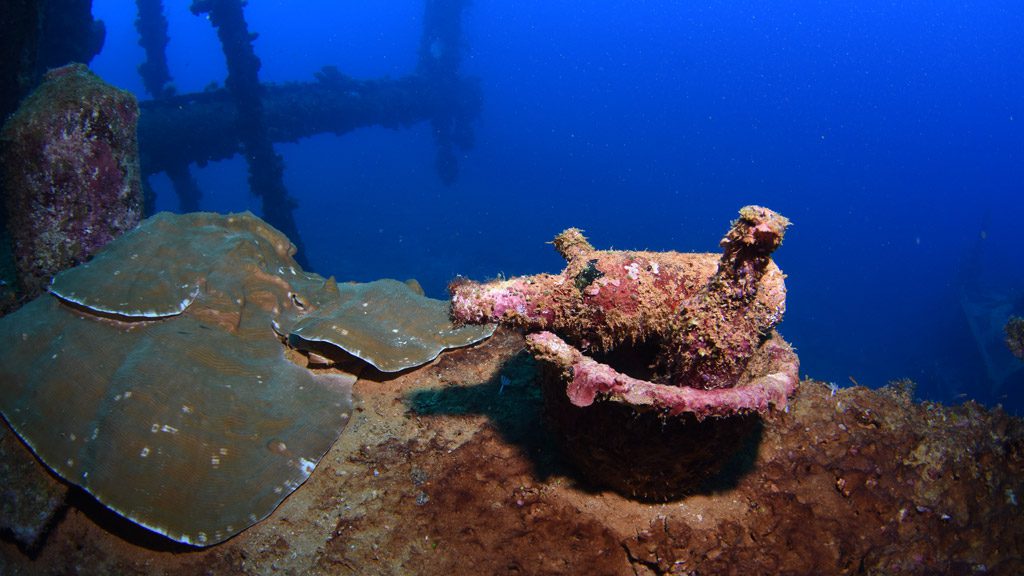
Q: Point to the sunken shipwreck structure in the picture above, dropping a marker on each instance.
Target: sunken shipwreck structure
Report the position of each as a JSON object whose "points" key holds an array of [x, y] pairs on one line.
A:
{"points": [[247, 116]]}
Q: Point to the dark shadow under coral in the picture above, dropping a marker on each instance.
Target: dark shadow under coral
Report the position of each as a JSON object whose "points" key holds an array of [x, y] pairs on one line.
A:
{"points": [[114, 523], [645, 456], [512, 403]]}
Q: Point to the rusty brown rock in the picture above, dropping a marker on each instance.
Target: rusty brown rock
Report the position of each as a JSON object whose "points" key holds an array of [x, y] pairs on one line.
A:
{"points": [[30, 496]]}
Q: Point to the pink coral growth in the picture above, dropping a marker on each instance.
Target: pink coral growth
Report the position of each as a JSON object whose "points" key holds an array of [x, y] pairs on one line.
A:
{"points": [[70, 168], [626, 338], [706, 320], [591, 378]]}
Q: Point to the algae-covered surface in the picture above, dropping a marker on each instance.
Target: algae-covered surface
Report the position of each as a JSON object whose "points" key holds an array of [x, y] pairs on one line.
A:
{"points": [[448, 469]]}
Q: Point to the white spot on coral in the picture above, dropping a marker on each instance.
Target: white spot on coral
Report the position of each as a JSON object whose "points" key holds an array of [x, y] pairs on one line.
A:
{"points": [[154, 428], [186, 409], [306, 466], [168, 429], [214, 461], [144, 452], [70, 462]]}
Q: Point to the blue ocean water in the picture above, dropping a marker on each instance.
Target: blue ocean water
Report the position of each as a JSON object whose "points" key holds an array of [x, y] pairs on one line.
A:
{"points": [[891, 134]]}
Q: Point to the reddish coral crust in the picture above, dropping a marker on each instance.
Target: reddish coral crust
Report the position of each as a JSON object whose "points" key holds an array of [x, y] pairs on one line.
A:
{"points": [[590, 378], [70, 167], [704, 318]]}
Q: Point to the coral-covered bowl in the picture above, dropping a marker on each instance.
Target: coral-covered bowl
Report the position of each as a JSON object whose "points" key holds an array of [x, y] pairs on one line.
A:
{"points": [[651, 441]]}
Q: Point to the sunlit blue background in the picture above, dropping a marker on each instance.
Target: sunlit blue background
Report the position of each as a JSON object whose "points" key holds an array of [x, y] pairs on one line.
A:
{"points": [[891, 133]]}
